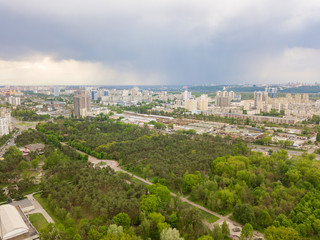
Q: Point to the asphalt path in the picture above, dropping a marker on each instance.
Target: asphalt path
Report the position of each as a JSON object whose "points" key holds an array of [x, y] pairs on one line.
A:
{"points": [[38, 208], [21, 128]]}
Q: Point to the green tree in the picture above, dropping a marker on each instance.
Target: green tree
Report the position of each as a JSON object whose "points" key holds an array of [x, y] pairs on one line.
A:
{"points": [[217, 232], [244, 213], [159, 125], [318, 137], [23, 165], [173, 220], [225, 229], [160, 191], [94, 234], [247, 232], [50, 232], [35, 163], [115, 230], [190, 180], [122, 219], [170, 234], [281, 233], [293, 175], [149, 203]]}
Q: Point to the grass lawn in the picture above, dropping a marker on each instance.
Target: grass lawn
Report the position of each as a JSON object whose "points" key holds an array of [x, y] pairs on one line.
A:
{"points": [[33, 189], [28, 124], [38, 221], [209, 217], [137, 181], [44, 204]]}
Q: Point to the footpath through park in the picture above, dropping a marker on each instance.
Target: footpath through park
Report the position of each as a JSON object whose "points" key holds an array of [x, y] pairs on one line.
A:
{"points": [[115, 166]]}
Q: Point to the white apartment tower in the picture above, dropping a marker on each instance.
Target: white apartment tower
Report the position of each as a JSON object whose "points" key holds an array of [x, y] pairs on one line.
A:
{"points": [[4, 126], [15, 101], [204, 102]]}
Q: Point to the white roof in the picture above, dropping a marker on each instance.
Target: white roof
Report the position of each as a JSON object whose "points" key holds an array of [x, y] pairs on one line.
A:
{"points": [[11, 222]]}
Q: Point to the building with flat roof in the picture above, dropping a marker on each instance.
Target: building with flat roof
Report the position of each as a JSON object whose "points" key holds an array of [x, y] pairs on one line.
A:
{"points": [[257, 118], [25, 205]]}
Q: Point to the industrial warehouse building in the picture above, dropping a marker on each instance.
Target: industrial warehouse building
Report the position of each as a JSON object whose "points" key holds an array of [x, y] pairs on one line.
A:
{"points": [[14, 225]]}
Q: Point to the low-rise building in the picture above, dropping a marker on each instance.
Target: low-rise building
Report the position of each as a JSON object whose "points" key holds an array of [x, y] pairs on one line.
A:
{"points": [[25, 205], [14, 225]]}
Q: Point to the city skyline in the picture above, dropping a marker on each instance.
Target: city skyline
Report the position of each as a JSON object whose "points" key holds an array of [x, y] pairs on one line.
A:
{"points": [[159, 42]]}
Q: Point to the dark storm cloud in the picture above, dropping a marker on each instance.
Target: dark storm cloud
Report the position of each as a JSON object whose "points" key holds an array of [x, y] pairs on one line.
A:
{"points": [[180, 43]]}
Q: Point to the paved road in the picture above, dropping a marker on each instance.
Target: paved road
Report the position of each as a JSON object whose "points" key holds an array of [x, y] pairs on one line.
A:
{"points": [[10, 142], [115, 166], [38, 208], [290, 152]]}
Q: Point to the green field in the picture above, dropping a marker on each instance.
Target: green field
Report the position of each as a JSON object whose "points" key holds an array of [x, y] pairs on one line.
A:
{"points": [[28, 124], [43, 202], [209, 217], [38, 221]]}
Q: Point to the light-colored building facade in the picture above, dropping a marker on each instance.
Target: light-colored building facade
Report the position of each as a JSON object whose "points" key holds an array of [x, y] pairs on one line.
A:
{"points": [[223, 99], [191, 104], [203, 102], [56, 91], [13, 100], [4, 126], [5, 121]]}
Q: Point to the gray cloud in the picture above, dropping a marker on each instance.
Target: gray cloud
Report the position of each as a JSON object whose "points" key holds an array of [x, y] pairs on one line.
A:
{"points": [[180, 42]]}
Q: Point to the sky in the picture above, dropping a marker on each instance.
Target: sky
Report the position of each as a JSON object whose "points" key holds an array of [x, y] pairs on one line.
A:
{"points": [[159, 42]]}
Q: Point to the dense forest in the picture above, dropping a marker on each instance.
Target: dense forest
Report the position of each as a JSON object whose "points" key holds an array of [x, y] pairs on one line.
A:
{"points": [[275, 194], [169, 157], [28, 115], [91, 203]]}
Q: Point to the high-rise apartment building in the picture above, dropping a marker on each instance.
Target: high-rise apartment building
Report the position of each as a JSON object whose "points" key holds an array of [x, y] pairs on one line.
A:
{"points": [[186, 95], [6, 114], [94, 95], [56, 91], [232, 95], [305, 98], [259, 98], [272, 92], [4, 126], [203, 102], [15, 101], [223, 99], [81, 103], [191, 104]]}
